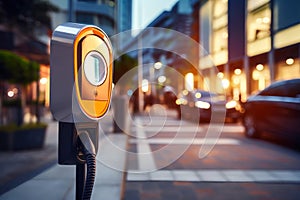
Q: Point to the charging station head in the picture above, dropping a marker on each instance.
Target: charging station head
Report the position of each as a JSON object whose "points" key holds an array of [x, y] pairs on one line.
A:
{"points": [[81, 68]]}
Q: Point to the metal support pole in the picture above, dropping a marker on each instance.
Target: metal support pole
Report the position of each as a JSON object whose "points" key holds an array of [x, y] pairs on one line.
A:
{"points": [[271, 58], [80, 179], [140, 65], [71, 16], [140, 73]]}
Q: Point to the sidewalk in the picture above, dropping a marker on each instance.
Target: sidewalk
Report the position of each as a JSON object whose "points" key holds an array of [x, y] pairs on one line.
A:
{"points": [[58, 182], [237, 168], [20, 166]]}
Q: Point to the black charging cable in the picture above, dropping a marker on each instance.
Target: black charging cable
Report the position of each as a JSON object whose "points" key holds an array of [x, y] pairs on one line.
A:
{"points": [[87, 148]]}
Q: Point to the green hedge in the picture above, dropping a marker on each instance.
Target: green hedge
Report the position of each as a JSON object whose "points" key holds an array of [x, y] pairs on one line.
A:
{"points": [[14, 127]]}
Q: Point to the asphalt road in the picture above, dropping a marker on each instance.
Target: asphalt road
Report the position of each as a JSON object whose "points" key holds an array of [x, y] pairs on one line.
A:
{"points": [[172, 159]]}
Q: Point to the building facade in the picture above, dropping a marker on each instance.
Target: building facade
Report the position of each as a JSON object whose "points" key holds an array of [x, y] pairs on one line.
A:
{"points": [[252, 43], [124, 15], [101, 13], [113, 16], [163, 46]]}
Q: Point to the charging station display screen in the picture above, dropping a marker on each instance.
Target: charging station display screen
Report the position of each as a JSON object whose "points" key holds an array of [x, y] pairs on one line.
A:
{"points": [[81, 72], [95, 68]]}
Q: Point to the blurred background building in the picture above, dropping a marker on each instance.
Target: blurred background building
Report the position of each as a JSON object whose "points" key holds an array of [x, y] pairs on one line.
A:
{"points": [[111, 15], [183, 19], [251, 42]]}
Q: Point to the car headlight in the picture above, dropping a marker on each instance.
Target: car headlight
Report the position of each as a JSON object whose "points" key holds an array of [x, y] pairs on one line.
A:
{"points": [[202, 104], [181, 101], [231, 104]]}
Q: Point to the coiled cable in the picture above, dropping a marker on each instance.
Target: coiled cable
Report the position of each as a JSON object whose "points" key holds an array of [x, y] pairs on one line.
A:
{"points": [[89, 153]]}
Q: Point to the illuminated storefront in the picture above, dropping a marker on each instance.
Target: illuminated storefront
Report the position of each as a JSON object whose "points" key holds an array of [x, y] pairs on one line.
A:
{"points": [[253, 50]]}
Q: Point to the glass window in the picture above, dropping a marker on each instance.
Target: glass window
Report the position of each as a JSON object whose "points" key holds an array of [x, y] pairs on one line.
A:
{"points": [[258, 27], [205, 28], [90, 1], [288, 71], [261, 77], [85, 18], [220, 40], [259, 23], [220, 22], [220, 8], [254, 4], [104, 21], [111, 3]]}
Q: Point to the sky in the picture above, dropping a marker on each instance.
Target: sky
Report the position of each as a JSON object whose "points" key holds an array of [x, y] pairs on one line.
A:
{"points": [[145, 11]]}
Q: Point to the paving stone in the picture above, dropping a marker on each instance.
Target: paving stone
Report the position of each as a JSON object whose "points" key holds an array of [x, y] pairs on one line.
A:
{"points": [[211, 175], [262, 176], [131, 176], [286, 176], [237, 176], [185, 175], [164, 175]]}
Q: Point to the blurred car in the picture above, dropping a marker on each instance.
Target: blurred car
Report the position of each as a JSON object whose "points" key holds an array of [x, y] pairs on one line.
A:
{"points": [[169, 97], [275, 110], [206, 106]]}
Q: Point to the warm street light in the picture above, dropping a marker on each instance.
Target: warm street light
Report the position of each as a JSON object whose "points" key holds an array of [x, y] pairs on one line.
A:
{"points": [[237, 71], [289, 61], [10, 93], [157, 65], [162, 79], [43, 81], [220, 75], [189, 81], [145, 85], [259, 67], [225, 83]]}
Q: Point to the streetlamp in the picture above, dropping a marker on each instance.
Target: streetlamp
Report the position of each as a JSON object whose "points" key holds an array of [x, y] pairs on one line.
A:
{"points": [[225, 83], [43, 85], [156, 66], [162, 79], [189, 81], [145, 85]]}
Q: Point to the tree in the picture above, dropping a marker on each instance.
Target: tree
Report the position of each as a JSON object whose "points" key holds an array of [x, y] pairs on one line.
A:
{"points": [[23, 16], [15, 69], [123, 65], [26, 15]]}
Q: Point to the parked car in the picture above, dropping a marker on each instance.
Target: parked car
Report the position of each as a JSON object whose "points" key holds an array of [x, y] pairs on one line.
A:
{"points": [[170, 97], [206, 106], [274, 110]]}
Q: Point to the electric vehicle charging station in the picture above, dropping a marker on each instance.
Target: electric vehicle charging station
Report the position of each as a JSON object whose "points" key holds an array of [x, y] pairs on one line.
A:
{"points": [[80, 94]]}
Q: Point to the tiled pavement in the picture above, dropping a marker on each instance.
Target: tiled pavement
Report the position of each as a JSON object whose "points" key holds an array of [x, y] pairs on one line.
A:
{"points": [[237, 168], [257, 176], [17, 167], [58, 182], [210, 191]]}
